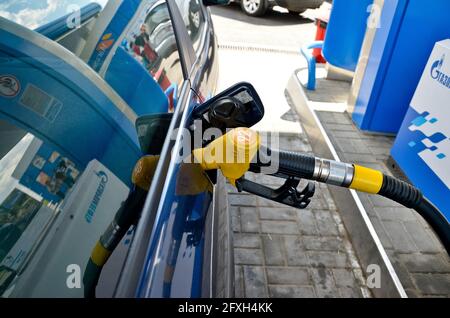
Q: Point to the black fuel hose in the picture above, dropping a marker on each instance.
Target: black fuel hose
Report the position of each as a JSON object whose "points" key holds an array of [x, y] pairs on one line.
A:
{"points": [[291, 164], [244, 143], [436, 220]]}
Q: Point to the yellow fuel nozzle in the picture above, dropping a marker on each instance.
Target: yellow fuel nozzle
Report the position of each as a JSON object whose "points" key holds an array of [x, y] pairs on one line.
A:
{"points": [[144, 171], [232, 153]]}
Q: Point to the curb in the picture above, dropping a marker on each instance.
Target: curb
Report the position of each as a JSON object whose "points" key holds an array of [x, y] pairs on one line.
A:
{"points": [[365, 240]]}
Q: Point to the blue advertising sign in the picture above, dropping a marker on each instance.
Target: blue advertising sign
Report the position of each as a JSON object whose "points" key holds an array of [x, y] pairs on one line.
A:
{"points": [[422, 147]]}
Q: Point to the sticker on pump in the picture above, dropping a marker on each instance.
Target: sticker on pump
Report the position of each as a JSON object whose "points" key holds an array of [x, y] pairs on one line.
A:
{"points": [[9, 86], [41, 103]]}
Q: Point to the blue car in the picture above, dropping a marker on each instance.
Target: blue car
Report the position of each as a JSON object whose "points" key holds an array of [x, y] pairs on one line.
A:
{"points": [[83, 98]]}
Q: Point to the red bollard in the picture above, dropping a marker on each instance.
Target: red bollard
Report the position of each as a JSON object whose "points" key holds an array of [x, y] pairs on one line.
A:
{"points": [[321, 24]]}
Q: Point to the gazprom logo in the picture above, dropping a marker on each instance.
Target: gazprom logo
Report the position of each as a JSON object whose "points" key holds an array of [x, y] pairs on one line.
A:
{"points": [[438, 75], [89, 216]]}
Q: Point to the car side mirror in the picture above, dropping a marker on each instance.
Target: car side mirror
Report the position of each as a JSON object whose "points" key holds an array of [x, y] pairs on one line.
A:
{"points": [[215, 2], [238, 106]]}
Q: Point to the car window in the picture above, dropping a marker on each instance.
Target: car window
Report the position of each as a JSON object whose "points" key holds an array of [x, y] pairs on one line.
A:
{"points": [[151, 40], [194, 20]]}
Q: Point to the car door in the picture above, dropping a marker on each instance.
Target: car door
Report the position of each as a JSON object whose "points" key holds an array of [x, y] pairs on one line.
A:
{"points": [[168, 255], [71, 147]]}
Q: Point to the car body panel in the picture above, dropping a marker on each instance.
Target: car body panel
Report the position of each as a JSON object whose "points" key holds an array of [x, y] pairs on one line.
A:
{"points": [[167, 255], [174, 265], [171, 218]]}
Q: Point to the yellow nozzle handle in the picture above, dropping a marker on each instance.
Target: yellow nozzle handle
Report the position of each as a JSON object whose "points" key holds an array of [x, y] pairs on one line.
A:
{"points": [[231, 153], [144, 171]]}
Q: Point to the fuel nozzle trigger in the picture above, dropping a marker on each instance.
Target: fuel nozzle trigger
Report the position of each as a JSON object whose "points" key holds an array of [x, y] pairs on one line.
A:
{"points": [[286, 194]]}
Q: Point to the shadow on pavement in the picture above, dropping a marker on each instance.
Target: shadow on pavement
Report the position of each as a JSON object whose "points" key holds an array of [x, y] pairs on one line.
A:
{"points": [[271, 18]]}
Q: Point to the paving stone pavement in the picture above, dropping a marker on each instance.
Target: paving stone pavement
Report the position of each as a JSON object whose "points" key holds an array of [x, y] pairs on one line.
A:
{"points": [[419, 259], [285, 252]]}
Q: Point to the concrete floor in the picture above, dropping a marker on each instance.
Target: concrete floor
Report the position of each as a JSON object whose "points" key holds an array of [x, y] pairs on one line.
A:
{"points": [[276, 29]]}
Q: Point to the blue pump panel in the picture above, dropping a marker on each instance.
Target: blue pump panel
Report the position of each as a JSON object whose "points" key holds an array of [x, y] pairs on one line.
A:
{"points": [[408, 31], [63, 102], [135, 85], [345, 32]]}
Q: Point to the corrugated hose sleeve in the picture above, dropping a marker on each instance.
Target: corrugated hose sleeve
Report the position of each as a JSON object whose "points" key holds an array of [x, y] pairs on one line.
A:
{"points": [[296, 164]]}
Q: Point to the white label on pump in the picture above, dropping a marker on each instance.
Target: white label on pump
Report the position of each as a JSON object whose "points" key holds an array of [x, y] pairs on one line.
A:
{"points": [[41, 103]]}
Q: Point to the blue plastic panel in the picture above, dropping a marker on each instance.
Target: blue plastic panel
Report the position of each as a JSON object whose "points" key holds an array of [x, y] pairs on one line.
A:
{"points": [[405, 152], [135, 84], [409, 30], [378, 62], [345, 32]]}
